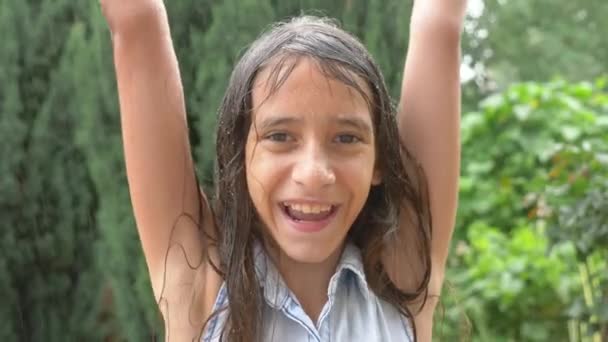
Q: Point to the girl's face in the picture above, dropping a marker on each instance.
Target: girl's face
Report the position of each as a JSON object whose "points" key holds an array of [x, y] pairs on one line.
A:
{"points": [[310, 161]]}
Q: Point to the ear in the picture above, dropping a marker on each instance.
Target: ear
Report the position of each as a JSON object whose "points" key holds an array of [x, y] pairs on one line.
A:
{"points": [[376, 177]]}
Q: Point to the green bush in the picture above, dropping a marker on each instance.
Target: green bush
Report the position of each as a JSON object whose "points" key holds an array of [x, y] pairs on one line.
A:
{"points": [[509, 286], [511, 143], [532, 234]]}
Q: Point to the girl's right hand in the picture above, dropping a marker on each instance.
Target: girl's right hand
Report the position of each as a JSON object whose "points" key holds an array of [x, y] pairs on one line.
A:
{"points": [[127, 15]]}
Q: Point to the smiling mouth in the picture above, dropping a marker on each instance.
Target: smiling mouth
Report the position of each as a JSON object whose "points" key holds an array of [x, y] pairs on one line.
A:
{"points": [[312, 213]]}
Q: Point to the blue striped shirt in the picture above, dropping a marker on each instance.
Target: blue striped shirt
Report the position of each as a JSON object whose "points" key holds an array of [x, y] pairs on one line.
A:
{"points": [[352, 313]]}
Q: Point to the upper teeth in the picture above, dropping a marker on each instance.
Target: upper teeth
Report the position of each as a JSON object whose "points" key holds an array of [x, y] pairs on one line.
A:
{"points": [[309, 208]]}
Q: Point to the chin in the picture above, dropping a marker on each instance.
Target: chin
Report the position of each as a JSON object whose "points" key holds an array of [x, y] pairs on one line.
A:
{"points": [[309, 252]]}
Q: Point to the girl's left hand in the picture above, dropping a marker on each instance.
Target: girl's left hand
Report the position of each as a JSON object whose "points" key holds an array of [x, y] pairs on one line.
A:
{"points": [[450, 11]]}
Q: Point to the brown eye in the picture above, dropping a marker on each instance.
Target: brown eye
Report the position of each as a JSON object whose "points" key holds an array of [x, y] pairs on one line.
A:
{"points": [[347, 139], [278, 137]]}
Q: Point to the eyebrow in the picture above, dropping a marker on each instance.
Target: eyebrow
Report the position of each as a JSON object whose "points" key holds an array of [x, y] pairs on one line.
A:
{"points": [[274, 121], [354, 122]]}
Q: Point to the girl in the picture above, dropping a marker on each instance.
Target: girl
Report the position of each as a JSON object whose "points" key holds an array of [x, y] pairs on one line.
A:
{"points": [[320, 227]]}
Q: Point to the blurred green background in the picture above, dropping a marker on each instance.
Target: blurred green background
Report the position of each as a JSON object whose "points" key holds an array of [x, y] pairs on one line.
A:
{"points": [[530, 250]]}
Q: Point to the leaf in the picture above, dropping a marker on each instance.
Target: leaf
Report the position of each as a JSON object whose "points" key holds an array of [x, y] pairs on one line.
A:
{"points": [[571, 133], [482, 167], [493, 102], [522, 111], [583, 90]]}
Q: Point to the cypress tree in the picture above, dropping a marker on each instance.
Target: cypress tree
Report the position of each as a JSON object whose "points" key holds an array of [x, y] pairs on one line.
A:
{"points": [[218, 50], [13, 129], [46, 210]]}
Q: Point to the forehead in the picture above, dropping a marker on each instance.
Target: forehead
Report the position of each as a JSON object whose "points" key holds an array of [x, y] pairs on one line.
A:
{"points": [[306, 90]]}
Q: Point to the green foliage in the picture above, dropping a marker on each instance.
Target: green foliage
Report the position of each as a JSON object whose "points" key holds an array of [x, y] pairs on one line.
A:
{"points": [[510, 287], [578, 196], [512, 146], [530, 263], [46, 276]]}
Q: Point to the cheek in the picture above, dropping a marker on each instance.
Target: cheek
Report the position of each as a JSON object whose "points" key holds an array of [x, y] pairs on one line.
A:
{"points": [[257, 170], [356, 178], [252, 173], [357, 181], [358, 171], [263, 175]]}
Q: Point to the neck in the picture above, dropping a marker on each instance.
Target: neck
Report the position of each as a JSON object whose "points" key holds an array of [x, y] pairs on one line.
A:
{"points": [[309, 281]]}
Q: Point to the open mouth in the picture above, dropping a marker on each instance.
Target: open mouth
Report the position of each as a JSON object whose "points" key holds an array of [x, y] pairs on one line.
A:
{"points": [[311, 213]]}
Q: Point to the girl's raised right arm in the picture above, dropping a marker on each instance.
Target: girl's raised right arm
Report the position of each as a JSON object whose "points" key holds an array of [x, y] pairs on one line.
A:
{"points": [[160, 170]]}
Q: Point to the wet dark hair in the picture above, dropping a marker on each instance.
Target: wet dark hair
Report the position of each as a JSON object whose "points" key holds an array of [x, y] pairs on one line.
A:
{"points": [[402, 192]]}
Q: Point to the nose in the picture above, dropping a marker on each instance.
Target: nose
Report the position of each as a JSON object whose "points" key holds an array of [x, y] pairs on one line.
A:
{"points": [[313, 169]]}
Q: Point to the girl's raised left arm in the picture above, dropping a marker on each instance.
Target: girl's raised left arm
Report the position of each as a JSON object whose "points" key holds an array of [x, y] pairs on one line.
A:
{"points": [[429, 120]]}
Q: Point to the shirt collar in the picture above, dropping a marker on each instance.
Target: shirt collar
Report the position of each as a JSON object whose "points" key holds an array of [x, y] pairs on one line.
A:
{"points": [[350, 262], [276, 291]]}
